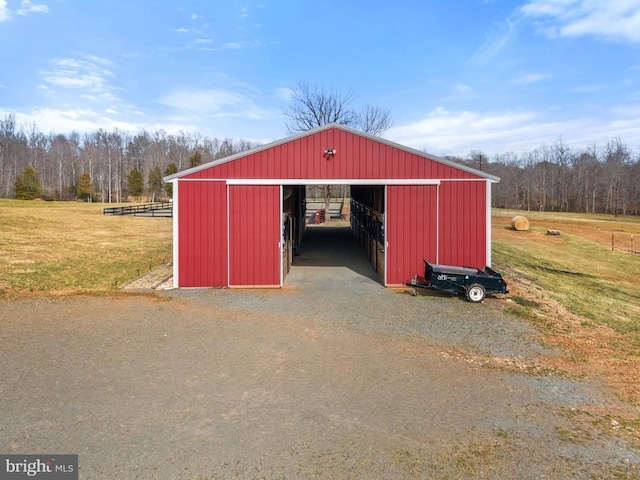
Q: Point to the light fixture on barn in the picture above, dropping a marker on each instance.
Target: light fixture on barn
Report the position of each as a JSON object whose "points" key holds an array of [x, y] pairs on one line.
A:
{"points": [[329, 153]]}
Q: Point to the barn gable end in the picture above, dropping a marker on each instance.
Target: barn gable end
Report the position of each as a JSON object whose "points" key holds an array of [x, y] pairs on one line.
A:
{"points": [[441, 210]]}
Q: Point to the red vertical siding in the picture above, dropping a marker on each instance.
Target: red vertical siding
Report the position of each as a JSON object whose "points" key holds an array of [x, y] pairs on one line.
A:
{"points": [[444, 224], [202, 234], [254, 235], [463, 223], [410, 231], [356, 157]]}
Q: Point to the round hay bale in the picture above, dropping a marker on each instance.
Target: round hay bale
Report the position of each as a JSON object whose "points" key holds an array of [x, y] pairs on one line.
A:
{"points": [[519, 223]]}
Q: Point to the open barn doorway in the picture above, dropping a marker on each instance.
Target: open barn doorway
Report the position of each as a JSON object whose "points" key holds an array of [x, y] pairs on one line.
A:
{"points": [[343, 229]]}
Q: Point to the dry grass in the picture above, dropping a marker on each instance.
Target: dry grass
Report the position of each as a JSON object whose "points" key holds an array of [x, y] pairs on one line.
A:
{"points": [[583, 294], [71, 247]]}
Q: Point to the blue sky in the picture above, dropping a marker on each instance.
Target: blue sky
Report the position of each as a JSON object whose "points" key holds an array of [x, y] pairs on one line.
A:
{"points": [[457, 76]]}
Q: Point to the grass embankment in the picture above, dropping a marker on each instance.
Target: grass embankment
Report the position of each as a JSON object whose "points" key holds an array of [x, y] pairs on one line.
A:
{"points": [[582, 292], [57, 247]]}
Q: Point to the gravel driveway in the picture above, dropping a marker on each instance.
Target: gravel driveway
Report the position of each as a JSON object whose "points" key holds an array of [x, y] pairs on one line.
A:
{"points": [[331, 377]]}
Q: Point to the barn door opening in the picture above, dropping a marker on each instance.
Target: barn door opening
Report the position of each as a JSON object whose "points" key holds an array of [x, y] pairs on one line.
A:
{"points": [[255, 240], [336, 236], [367, 224]]}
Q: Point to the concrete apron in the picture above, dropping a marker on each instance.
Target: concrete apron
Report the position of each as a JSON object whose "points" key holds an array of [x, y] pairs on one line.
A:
{"points": [[331, 255]]}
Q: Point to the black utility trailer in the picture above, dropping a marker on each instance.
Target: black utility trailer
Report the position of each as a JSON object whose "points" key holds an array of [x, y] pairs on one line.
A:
{"points": [[473, 282]]}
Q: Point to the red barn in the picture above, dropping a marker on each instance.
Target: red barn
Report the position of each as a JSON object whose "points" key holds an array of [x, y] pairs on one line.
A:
{"points": [[236, 219]]}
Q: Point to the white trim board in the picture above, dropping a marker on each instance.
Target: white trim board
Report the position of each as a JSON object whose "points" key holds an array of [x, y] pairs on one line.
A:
{"points": [[308, 181], [176, 236]]}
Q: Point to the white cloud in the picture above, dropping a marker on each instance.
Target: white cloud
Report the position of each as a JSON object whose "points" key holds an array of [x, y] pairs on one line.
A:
{"points": [[244, 12], [528, 78], [208, 47], [586, 88], [498, 39], [4, 11], [88, 74], [457, 133], [218, 103], [241, 44], [617, 20], [283, 94], [78, 120], [27, 7]]}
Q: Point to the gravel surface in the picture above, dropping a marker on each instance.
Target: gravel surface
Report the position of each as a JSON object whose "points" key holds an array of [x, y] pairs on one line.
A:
{"points": [[331, 377]]}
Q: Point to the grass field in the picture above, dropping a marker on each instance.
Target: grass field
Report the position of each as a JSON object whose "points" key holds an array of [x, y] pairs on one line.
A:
{"points": [[579, 287], [582, 293], [59, 247]]}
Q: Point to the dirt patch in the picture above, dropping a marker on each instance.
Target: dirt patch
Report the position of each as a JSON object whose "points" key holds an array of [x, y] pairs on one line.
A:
{"points": [[354, 382]]}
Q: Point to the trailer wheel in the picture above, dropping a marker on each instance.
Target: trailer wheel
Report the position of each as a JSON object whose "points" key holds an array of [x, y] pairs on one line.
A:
{"points": [[476, 293]]}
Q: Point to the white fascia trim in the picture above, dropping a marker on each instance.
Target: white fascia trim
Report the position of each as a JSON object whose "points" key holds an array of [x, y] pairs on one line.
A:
{"points": [[281, 239], [488, 228], [466, 180], [200, 180], [176, 247], [438, 225], [228, 242], [386, 233], [331, 181]]}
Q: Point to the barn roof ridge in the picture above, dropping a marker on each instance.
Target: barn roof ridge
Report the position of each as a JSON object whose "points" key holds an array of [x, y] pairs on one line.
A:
{"points": [[329, 126]]}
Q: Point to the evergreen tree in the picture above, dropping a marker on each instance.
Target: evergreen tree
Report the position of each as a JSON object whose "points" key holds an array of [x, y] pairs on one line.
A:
{"points": [[170, 170], [135, 182], [84, 188], [28, 186], [195, 160], [155, 182]]}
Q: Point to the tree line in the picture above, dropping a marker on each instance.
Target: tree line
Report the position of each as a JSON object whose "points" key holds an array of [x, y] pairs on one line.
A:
{"points": [[116, 166], [103, 166], [598, 179]]}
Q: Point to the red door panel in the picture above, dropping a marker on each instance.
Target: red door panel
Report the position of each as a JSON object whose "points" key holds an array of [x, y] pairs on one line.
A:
{"points": [[202, 234], [411, 231], [254, 235]]}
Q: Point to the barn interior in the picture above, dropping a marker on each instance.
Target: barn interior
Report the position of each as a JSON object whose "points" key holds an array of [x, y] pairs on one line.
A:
{"points": [[334, 225]]}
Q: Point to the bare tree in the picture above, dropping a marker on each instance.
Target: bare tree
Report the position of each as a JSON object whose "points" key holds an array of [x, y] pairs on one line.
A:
{"points": [[313, 106], [597, 179], [374, 120]]}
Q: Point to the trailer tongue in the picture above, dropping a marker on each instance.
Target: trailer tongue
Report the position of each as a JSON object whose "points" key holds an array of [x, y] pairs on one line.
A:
{"points": [[474, 283]]}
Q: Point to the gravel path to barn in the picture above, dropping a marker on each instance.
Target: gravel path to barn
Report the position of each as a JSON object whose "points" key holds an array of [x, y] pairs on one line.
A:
{"points": [[331, 377]]}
